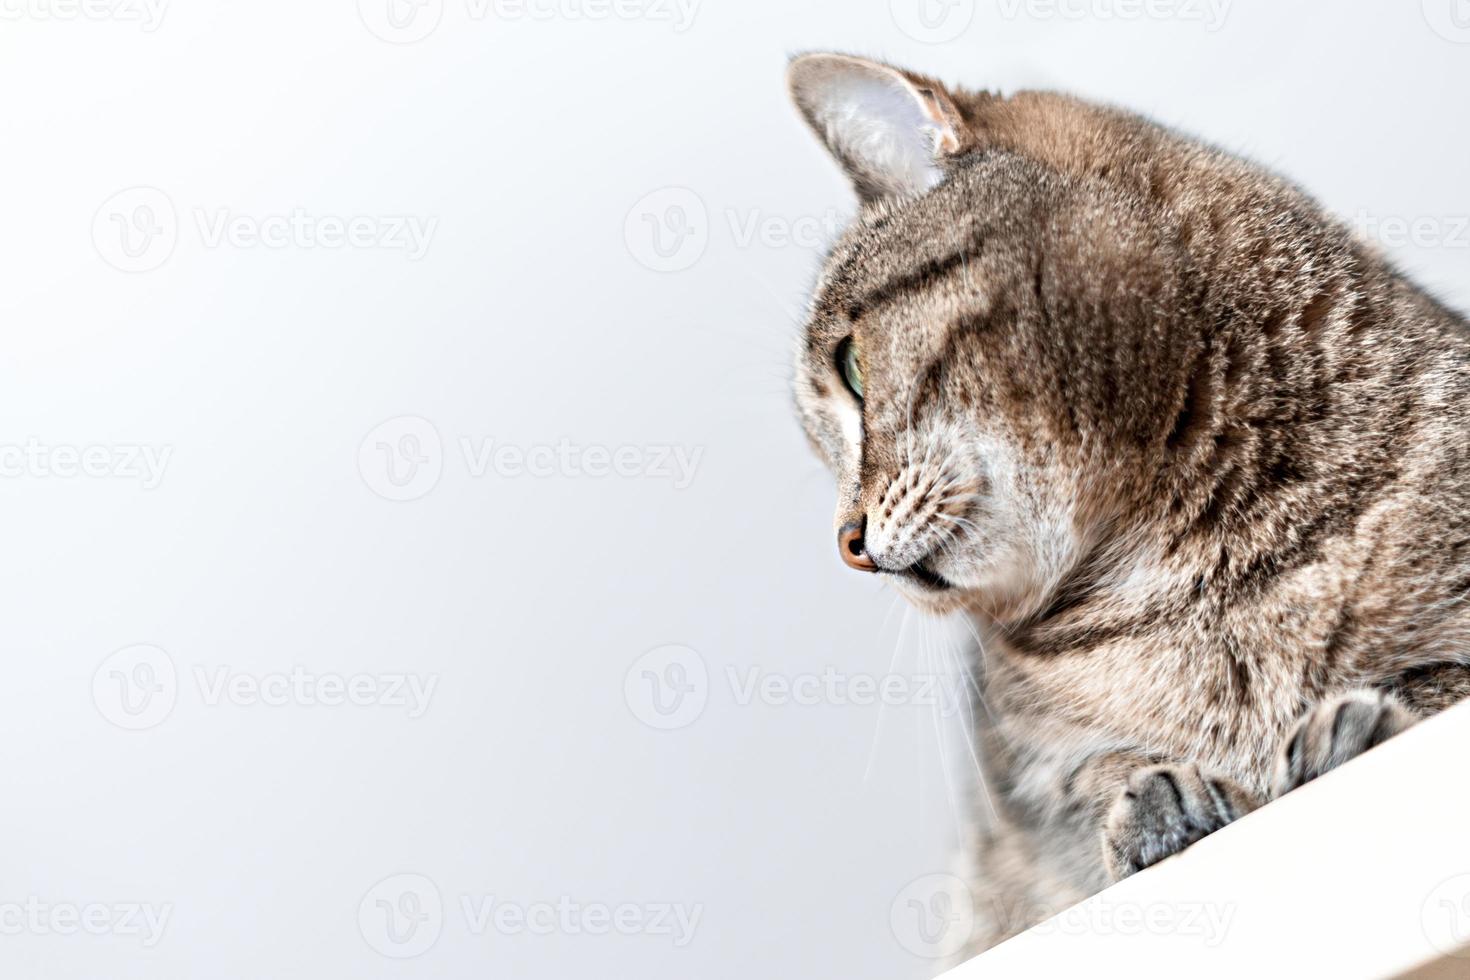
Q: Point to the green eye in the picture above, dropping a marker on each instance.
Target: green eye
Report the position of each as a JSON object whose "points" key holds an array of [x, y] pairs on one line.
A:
{"points": [[850, 367]]}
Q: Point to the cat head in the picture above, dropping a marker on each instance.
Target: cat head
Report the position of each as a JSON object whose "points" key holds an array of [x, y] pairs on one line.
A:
{"points": [[975, 366]]}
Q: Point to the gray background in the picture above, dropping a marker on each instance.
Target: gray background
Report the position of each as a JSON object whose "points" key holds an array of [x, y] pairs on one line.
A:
{"points": [[543, 147]]}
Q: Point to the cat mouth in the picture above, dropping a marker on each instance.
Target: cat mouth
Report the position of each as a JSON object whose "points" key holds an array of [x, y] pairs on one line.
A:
{"points": [[925, 576]]}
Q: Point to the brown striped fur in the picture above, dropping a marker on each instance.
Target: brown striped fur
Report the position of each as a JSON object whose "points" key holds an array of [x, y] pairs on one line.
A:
{"points": [[1192, 457]]}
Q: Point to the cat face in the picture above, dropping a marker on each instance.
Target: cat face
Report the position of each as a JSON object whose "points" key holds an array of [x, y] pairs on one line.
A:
{"points": [[942, 376], [901, 392], [917, 384]]}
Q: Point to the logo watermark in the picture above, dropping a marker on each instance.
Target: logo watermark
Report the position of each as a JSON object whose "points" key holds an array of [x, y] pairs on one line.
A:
{"points": [[1446, 917], [1450, 19], [932, 21], [404, 458], [411, 21], [34, 459], [305, 688], [1209, 922], [147, 14], [832, 687], [1212, 14], [670, 229], [404, 915], [35, 916], [1423, 231], [138, 687], [401, 21], [933, 916], [669, 687], [936, 916], [298, 228], [401, 916], [138, 230], [567, 916]]}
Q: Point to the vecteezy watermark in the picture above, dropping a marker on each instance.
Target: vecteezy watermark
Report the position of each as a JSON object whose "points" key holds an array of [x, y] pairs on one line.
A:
{"points": [[936, 916], [401, 459], [1209, 922], [409, 21], [669, 687], [138, 229], [138, 687], [669, 229], [1450, 19], [404, 458], [34, 916], [838, 688], [508, 461], [1446, 917], [403, 915], [147, 14], [300, 229], [401, 21], [1211, 13], [932, 21], [933, 916], [309, 689], [37, 460], [1424, 231], [568, 916]]}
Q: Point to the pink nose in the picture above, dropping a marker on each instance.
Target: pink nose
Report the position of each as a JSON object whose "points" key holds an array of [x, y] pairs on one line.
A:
{"points": [[850, 546]]}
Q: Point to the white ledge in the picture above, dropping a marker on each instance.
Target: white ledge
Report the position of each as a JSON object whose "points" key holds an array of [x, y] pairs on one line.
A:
{"points": [[1363, 873]]}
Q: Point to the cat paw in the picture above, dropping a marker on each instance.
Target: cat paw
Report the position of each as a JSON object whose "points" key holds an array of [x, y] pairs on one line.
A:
{"points": [[1162, 811], [1334, 732]]}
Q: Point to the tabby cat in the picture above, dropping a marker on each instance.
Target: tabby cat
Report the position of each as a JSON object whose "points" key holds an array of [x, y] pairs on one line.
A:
{"points": [[1193, 458]]}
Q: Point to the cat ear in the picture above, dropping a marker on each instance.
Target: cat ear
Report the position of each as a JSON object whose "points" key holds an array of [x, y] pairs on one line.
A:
{"points": [[890, 130]]}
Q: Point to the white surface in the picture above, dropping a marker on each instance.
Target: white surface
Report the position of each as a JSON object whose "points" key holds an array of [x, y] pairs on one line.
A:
{"points": [[1364, 872], [537, 155]]}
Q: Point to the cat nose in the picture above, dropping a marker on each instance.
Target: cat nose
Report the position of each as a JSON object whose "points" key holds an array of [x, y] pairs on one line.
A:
{"points": [[853, 551]]}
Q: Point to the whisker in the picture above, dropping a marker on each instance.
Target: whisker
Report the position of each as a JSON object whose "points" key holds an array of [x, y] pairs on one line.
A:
{"points": [[892, 663], [949, 789], [969, 733]]}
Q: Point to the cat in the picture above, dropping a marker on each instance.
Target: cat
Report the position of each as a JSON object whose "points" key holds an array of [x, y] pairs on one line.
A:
{"points": [[1193, 459]]}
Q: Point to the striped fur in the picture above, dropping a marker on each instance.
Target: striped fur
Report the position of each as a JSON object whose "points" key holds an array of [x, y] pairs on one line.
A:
{"points": [[1192, 458]]}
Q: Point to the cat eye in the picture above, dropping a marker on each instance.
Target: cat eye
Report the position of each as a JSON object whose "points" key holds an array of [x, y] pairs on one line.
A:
{"points": [[850, 367]]}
